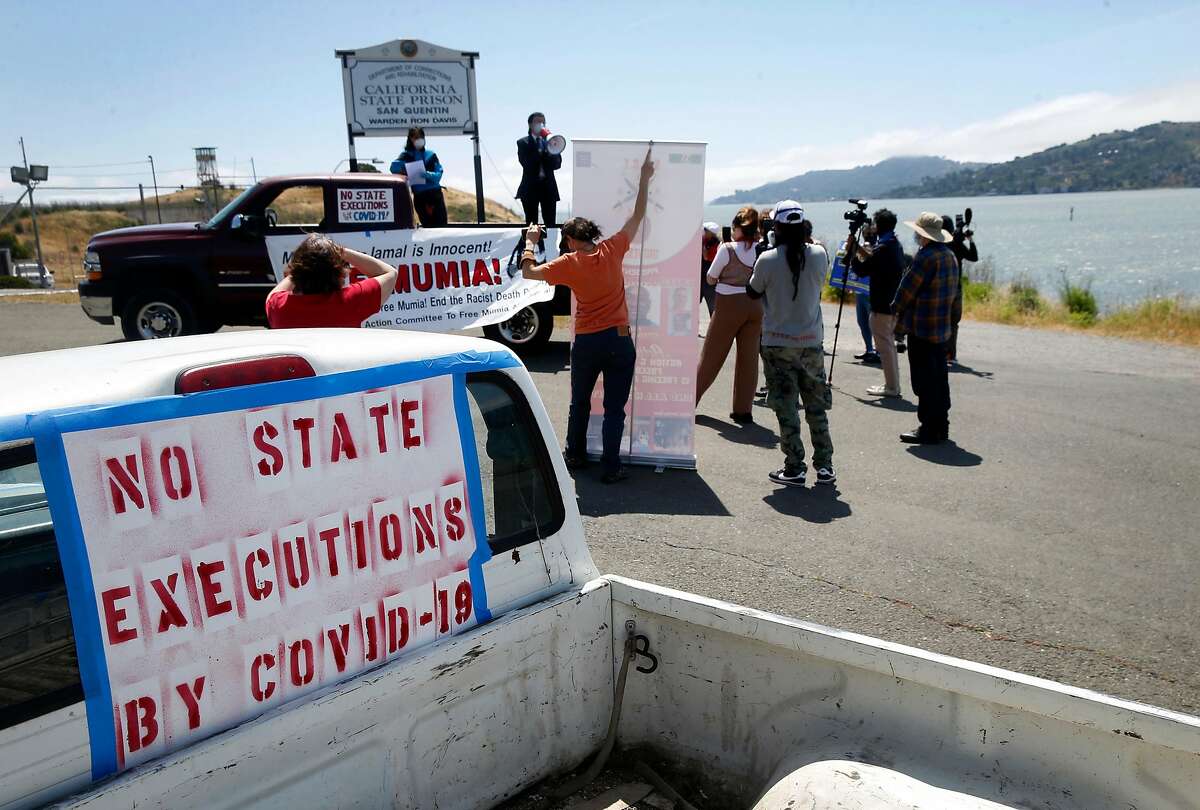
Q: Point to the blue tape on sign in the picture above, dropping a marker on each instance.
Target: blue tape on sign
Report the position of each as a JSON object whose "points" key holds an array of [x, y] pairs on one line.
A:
{"points": [[483, 551], [81, 596], [47, 431], [14, 428], [264, 395]]}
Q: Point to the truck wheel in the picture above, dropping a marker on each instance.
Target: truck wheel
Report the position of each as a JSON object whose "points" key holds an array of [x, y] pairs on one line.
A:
{"points": [[526, 331], [158, 314]]}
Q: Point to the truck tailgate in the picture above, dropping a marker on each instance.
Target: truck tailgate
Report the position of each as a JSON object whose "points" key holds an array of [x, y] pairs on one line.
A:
{"points": [[461, 724]]}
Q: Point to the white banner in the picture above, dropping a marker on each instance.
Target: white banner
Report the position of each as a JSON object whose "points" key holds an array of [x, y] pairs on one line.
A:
{"points": [[662, 286], [450, 278]]}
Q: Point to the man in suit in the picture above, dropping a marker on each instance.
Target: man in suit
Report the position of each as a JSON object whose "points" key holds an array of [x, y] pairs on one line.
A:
{"points": [[538, 186]]}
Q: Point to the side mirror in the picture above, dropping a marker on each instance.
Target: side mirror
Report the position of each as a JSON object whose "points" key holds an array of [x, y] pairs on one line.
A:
{"points": [[248, 224]]}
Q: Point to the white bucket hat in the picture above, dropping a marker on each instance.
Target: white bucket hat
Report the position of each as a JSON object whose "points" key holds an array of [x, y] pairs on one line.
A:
{"points": [[929, 225]]}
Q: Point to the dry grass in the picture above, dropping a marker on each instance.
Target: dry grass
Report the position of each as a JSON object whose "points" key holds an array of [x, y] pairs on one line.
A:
{"points": [[1165, 320], [65, 234], [58, 297]]}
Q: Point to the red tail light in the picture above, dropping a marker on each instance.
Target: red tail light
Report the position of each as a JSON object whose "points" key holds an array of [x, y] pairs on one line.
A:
{"points": [[243, 372]]}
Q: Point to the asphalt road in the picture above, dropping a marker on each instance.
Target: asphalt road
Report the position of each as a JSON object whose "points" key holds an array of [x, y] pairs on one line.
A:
{"points": [[1058, 535]]}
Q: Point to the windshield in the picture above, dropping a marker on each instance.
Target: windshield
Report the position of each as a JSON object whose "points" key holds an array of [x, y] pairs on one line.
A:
{"points": [[233, 205]]}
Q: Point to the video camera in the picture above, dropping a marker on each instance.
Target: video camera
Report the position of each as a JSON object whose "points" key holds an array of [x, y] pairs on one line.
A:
{"points": [[962, 224], [856, 216]]}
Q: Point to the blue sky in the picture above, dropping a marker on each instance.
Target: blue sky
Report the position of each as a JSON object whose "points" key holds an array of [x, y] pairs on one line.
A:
{"points": [[774, 89]]}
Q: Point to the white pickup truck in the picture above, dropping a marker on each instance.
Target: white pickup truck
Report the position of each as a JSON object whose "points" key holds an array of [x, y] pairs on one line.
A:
{"points": [[525, 661]]}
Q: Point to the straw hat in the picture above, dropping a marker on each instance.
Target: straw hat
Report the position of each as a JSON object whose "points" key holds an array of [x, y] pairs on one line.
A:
{"points": [[929, 225]]}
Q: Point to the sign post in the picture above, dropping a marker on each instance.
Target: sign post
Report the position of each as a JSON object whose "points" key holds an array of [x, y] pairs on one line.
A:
{"points": [[410, 83]]}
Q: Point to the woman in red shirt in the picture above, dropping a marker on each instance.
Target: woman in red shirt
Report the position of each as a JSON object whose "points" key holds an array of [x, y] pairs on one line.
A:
{"points": [[602, 343], [314, 291]]}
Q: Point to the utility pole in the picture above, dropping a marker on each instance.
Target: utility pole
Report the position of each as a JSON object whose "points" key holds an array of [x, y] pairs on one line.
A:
{"points": [[37, 239], [142, 197], [154, 177], [253, 170]]}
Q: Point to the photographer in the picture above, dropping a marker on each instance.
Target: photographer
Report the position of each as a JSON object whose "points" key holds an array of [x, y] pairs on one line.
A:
{"points": [[883, 264], [964, 251], [862, 304], [738, 318], [538, 186]]}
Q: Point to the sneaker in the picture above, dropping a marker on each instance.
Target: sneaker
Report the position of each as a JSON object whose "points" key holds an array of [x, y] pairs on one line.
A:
{"points": [[863, 356], [920, 436], [825, 475], [901, 347], [742, 418], [881, 391], [789, 477], [872, 359], [761, 393]]}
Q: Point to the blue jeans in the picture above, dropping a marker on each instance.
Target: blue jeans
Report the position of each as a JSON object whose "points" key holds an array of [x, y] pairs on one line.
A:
{"points": [[612, 355], [862, 308]]}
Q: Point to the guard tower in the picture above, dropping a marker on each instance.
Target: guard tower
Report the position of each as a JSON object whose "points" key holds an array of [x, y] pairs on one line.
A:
{"points": [[208, 179]]}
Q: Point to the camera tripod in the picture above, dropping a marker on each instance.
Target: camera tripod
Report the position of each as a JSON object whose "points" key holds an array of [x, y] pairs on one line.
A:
{"points": [[855, 225]]}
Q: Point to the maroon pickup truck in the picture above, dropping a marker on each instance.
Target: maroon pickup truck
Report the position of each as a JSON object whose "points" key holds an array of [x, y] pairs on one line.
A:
{"points": [[194, 277]]}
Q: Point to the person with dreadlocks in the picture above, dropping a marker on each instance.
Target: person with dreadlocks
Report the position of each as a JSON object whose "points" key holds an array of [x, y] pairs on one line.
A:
{"points": [[789, 277]]}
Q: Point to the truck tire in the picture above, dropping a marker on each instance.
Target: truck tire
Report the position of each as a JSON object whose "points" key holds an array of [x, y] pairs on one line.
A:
{"points": [[158, 314], [527, 331]]}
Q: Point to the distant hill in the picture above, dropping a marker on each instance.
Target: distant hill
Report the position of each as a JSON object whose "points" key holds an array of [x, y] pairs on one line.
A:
{"points": [[861, 181], [1165, 155]]}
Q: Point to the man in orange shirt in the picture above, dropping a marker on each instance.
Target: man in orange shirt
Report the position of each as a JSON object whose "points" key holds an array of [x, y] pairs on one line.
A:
{"points": [[592, 269]]}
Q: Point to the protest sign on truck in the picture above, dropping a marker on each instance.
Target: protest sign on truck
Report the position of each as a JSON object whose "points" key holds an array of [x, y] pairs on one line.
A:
{"points": [[260, 546]]}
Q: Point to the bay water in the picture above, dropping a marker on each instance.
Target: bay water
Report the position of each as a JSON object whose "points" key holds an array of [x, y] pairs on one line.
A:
{"points": [[1127, 245]]}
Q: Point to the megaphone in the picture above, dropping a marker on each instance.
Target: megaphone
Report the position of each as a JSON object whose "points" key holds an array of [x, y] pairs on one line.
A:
{"points": [[555, 144]]}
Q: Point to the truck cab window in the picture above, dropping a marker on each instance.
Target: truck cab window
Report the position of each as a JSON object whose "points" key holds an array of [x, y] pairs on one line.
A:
{"points": [[297, 205], [520, 496], [38, 669]]}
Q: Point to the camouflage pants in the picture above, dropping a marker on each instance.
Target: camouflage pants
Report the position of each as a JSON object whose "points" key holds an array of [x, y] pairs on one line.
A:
{"points": [[794, 376]]}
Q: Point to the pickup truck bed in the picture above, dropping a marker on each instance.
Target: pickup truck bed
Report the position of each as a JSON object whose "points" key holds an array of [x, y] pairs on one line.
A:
{"points": [[741, 696]]}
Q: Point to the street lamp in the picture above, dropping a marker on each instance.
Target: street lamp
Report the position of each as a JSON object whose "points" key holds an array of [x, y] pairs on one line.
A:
{"points": [[376, 161], [27, 175]]}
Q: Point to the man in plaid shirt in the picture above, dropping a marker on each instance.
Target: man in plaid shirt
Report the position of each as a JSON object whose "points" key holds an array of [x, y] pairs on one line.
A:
{"points": [[926, 307]]}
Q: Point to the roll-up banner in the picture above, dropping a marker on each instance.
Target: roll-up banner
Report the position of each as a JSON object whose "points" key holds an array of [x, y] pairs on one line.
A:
{"points": [[661, 287], [450, 278]]}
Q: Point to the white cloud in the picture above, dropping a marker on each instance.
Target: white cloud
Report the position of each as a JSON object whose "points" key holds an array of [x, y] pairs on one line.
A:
{"points": [[1019, 132]]}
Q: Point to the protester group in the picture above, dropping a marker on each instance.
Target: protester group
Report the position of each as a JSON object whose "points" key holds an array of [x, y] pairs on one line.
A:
{"points": [[762, 286]]}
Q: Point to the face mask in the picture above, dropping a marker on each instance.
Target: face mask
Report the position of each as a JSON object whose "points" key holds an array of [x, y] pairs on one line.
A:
{"points": [[419, 143]]}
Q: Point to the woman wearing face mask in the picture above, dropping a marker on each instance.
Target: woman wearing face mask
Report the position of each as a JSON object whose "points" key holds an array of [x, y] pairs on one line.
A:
{"points": [[427, 190], [736, 318]]}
